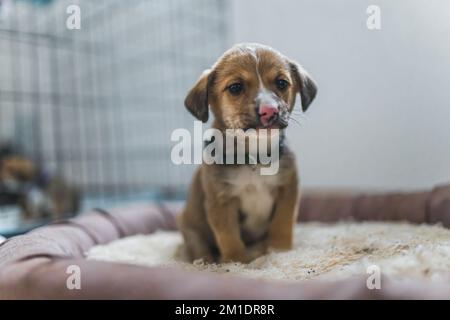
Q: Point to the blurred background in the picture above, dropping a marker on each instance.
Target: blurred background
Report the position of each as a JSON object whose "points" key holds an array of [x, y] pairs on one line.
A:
{"points": [[86, 115]]}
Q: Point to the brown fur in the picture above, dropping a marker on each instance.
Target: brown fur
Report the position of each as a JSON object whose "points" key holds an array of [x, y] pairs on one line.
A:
{"points": [[18, 168], [212, 220]]}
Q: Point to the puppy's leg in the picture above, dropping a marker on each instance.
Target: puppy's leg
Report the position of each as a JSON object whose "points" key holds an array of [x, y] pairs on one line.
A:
{"points": [[257, 250], [193, 224], [224, 221], [281, 229], [196, 246]]}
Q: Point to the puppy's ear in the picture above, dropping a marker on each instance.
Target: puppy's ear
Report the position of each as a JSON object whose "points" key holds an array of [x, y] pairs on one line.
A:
{"points": [[197, 99], [306, 86]]}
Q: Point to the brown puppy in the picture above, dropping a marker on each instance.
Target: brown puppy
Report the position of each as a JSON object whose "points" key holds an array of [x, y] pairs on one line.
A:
{"points": [[39, 196], [234, 213]]}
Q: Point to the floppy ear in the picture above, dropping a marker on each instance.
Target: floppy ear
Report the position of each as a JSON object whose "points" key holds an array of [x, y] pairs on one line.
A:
{"points": [[197, 99], [306, 86]]}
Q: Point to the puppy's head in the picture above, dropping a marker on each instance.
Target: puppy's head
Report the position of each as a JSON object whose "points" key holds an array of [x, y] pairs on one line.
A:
{"points": [[251, 86], [16, 168]]}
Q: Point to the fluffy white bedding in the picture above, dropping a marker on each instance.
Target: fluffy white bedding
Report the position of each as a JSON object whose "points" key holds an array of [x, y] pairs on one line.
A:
{"points": [[332, 252]]}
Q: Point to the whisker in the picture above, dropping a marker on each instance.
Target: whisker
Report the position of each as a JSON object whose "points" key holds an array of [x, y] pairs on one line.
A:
{"points": [[299, 113], [300, 116], [296, 121]]}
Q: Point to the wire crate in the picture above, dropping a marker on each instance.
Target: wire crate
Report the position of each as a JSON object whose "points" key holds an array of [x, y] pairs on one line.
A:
{"points": [[98, 105]]}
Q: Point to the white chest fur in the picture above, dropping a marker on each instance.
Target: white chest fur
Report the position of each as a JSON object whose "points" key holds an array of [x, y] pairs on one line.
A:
{"points": [[255, 192]]}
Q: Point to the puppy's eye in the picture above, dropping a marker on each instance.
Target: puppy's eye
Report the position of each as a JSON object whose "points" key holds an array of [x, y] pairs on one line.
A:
{"points": [[282, 84], [236, 88]]}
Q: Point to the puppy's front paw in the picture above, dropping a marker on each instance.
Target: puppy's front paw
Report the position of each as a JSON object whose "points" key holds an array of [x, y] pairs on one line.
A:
{"points": [[280, 244], [257, 250], [242, 257], [206, 259]]}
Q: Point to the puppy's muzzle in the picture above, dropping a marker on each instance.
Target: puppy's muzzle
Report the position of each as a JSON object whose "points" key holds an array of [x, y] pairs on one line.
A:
{"points": [[268, 114]]}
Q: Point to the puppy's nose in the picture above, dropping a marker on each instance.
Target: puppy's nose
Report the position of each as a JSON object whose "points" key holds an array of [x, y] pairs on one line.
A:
{"points": [[267, 113]]}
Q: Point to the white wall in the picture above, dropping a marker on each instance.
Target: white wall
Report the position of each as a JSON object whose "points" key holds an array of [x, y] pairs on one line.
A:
{"points": [[381, 119]]}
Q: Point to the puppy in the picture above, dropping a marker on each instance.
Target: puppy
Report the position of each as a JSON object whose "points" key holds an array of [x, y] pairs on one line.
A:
{"points": [[38, 194], [233, 213]]}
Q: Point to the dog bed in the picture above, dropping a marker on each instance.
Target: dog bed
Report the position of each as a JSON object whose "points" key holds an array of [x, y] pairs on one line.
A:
{"points": [[401, 251], [38, 265]]}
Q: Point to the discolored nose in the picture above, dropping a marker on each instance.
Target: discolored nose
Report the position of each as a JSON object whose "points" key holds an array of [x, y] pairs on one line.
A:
{"points": [[267, 113]]}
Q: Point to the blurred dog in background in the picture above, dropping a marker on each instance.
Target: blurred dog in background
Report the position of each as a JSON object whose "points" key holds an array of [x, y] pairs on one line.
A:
{"points": [[39, 195]]}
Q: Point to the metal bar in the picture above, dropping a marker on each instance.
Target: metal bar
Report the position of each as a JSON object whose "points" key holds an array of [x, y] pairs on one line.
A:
{"points": [[37, 119], [55, 102]]}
